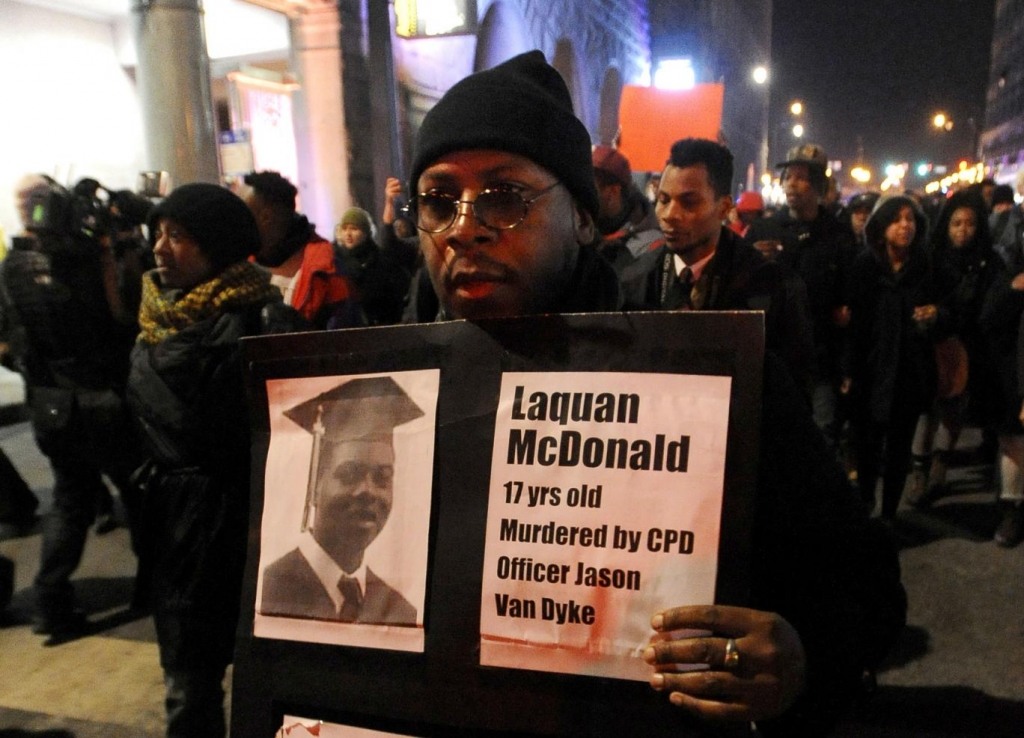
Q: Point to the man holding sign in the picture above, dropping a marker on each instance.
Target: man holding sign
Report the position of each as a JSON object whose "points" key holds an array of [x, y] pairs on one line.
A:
{"points": [[504, 199]]}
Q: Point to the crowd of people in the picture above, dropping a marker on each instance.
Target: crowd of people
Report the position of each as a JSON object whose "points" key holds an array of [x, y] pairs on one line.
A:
{"points": [[887, 333]]}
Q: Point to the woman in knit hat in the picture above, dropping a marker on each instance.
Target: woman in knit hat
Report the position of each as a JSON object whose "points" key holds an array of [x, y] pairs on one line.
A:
{"points": [[186, 391], [381, 281], [354, 229]]}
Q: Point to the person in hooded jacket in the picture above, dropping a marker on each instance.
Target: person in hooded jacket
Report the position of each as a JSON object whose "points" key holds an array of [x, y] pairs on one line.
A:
{"points": [[961, 244], [185, 389], [897, 310]]}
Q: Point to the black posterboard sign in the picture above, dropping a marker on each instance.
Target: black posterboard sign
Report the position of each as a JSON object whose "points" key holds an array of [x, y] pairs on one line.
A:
{"points": [[545, 485]]}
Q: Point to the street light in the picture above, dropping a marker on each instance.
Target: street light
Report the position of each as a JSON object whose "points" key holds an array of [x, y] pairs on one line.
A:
{"points": [[861, 174], [789, 125], [760, 75], [943, 122]]}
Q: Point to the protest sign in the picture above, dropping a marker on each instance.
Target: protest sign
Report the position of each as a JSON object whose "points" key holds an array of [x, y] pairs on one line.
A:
{"points": [[581, 471]]}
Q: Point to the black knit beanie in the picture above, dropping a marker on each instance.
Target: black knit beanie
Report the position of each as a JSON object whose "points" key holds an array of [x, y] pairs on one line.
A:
{"points": [[219, 221], [522, 107]]}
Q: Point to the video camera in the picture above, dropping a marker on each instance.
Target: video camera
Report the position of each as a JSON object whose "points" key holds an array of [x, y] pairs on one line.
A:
{"points": [[91, 210]]}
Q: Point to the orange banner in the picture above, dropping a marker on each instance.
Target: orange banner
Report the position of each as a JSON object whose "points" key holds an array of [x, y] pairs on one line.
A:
{"points": [[651, 120]]}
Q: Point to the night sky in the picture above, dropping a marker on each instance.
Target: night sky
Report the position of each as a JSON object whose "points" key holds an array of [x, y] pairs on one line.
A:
{"points": [[880, 69]]}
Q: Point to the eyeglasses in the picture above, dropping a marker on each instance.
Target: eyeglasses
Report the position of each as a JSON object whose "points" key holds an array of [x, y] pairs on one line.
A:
{"points": [[501, 209]]}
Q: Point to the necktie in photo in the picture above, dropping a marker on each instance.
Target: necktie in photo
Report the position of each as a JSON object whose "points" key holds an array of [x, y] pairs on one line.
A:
{"points": [[353, 603]]}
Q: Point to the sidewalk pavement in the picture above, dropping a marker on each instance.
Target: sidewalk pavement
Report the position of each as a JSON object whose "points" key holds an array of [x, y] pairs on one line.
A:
{"points": [[106, 685]]}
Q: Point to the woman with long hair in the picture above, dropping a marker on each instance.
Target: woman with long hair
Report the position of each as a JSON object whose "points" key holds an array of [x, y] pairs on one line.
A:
{"points": [[896, 311], [963, 246]]}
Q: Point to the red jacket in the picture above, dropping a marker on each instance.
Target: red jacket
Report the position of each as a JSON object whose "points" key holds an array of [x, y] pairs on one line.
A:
{"points": [[323, 295]]}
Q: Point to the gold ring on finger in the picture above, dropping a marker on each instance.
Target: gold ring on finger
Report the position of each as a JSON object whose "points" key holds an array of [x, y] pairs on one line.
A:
{"points": [[731, 662]]}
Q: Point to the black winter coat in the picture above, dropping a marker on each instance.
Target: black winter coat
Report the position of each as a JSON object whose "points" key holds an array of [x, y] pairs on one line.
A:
{"points": [[821, 253], [188, 396], [1001, 322], [818, 561], [54, 291], [889, 357], [976, 274], [381, 280]]}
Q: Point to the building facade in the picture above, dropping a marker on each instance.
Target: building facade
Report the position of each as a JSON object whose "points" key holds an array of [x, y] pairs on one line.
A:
{"points": [[1002, 141], [331, 92], [725, 41]]}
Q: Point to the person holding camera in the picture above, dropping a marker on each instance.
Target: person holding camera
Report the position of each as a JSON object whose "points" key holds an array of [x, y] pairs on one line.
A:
{"points": [[71, 298]]}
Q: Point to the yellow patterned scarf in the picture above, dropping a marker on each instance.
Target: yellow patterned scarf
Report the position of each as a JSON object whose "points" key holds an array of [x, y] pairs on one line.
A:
{"points": [[165, 312]]}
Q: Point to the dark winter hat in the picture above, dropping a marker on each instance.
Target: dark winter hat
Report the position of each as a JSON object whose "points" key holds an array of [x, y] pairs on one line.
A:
{"points": [[863, 201], [219, 221], [521, 106], [1002, 194]]}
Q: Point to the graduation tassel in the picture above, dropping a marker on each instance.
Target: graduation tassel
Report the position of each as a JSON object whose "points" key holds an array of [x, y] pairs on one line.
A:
{"points": [[312, 500]]}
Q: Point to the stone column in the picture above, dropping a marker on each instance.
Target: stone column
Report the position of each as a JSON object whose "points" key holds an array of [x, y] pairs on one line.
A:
{"points": [[173, 77], [320, 134], [387, 152]]}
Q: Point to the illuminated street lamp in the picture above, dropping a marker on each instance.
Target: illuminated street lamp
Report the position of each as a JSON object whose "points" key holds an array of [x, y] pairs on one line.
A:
{"points": [[861, 174], [798, 130], [942, 122], [797, 108], [760, 75]]}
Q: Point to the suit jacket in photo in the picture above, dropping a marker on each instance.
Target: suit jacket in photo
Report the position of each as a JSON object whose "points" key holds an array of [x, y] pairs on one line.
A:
{"points": [[292, 589]]}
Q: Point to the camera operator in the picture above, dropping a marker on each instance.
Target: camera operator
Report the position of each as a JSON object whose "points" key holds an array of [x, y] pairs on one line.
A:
{"points": [[72, 283]]}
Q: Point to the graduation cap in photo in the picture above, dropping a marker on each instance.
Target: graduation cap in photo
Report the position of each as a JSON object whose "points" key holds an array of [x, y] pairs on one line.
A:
{"points": [[367, 408]]}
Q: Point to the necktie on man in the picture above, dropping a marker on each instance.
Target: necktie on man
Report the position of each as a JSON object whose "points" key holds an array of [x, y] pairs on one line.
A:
{"points": [[353, 599], [679, 297]]}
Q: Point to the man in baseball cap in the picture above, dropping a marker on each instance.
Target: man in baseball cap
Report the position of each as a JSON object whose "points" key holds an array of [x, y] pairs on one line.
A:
{"points": [[820, 249]]}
